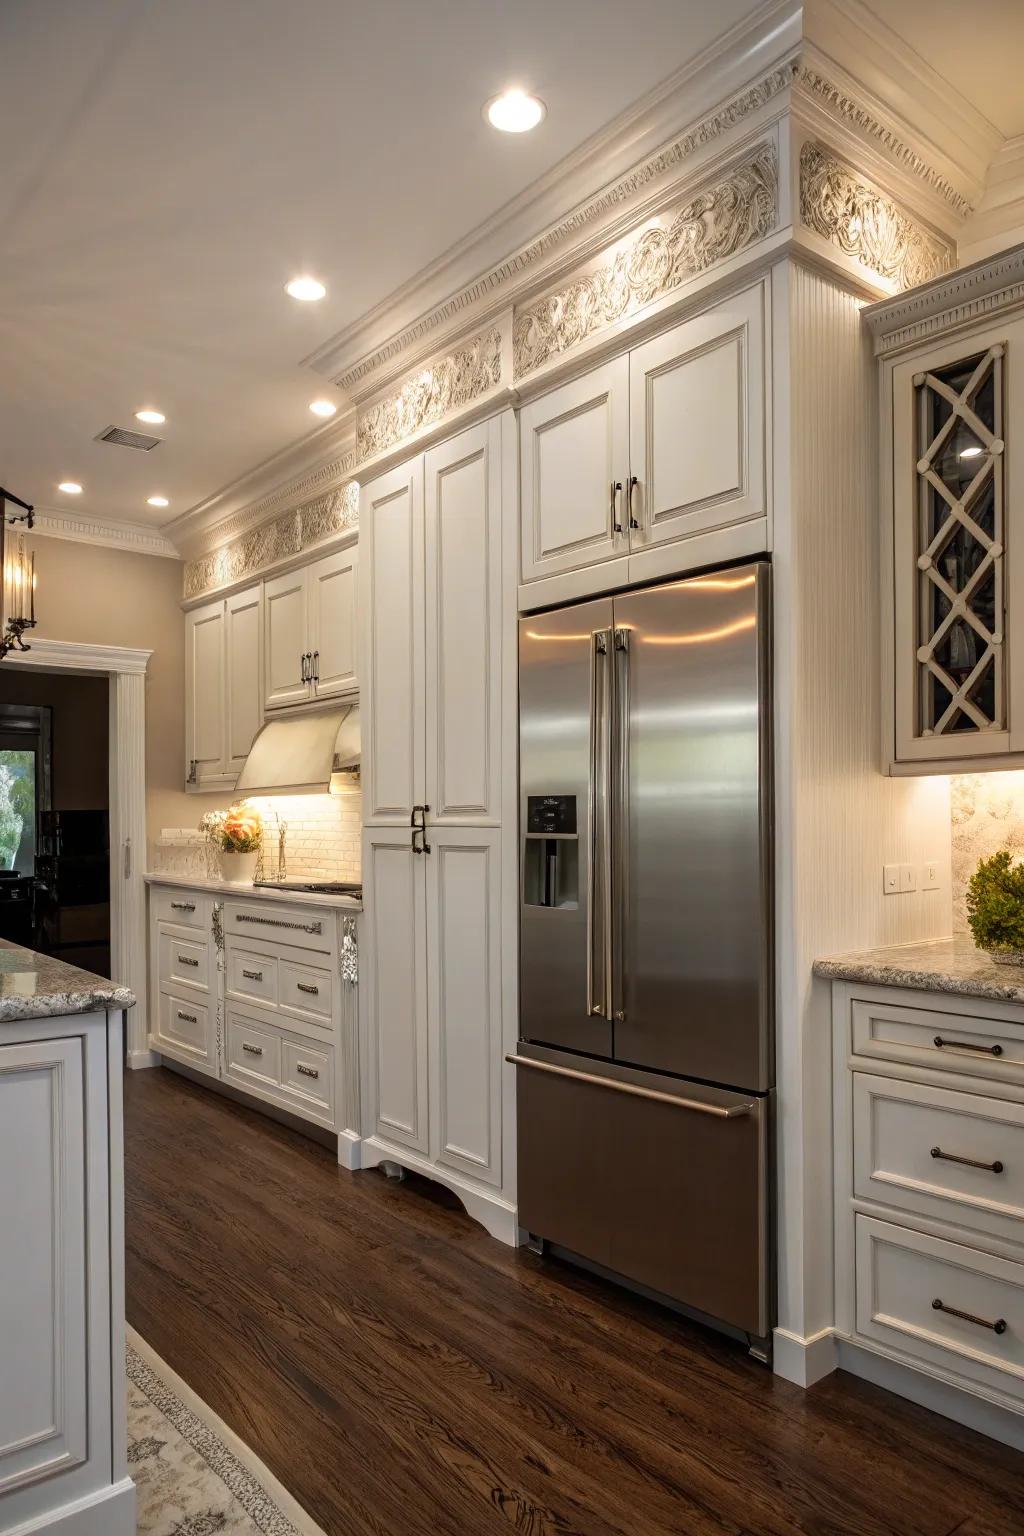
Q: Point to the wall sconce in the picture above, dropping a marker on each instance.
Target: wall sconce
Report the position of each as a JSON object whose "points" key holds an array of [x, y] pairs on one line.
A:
{"points": [[18, 565]]}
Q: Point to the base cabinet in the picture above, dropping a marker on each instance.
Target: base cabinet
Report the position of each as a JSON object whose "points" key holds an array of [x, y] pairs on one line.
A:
{"points": [[62, 1403]]}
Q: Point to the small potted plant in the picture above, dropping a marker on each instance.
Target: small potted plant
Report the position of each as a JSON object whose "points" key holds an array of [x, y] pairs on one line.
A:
{"points": [[239, 837], [995, 908]]}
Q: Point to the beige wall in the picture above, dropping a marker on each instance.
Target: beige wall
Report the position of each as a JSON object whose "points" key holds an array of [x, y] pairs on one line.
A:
{"points": [[106, 596]]}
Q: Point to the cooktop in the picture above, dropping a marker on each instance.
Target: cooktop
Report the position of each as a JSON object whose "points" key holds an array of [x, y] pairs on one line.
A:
{"points": [[314, 887]]}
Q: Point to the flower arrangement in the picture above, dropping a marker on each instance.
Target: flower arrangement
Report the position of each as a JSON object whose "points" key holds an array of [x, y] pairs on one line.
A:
{"points": [[995, 907], [237, 836]]}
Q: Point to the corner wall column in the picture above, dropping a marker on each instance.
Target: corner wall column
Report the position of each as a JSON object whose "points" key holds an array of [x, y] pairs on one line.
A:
{"points": [[128, 852]]}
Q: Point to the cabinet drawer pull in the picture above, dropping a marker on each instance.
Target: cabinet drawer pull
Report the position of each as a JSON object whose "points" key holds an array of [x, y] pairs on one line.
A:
{"points": [[301, 986], [999, 1326], [278, 922], [968, 1162], [253, 975], [189, 1018], [186, 960], [969, 1045], [300, 1066], [253, 1050], [183, 906]]}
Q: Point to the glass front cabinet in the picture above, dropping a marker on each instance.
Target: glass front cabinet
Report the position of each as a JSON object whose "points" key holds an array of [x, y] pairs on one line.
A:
{"points": [[952, 529]]}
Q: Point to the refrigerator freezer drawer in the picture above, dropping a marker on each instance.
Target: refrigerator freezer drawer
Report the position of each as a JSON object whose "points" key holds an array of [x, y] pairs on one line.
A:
{"points": [[660, 1180]]}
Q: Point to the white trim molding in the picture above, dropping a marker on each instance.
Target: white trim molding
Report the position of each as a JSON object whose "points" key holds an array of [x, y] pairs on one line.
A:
{"points": [[70, 656], [131, 537], [804, 1361], [958, 299]]}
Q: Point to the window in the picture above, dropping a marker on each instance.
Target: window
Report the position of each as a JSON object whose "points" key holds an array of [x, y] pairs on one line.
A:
{"points": [[19, 810]]}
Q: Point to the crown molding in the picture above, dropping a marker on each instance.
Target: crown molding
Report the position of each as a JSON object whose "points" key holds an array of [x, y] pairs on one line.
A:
{"points": [[958, 299], [132, 537], [72, 656]]}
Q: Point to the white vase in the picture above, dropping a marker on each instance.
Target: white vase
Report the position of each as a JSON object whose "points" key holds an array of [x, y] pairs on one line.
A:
{"points": [[238, 868]]}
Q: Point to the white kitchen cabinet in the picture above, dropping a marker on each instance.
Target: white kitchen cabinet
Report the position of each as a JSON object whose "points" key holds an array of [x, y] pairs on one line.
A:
{"points": [[310, 631], [952, 400], [223, 689], [654, 463]]}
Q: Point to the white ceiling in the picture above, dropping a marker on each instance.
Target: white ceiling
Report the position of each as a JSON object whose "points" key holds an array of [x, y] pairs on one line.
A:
{"points": [[977, 45], [175, 161]]}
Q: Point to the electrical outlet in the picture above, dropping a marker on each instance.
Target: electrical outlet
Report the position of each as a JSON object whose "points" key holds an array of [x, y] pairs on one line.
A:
{"points": [[930, 875], [908, 877], [891, 879]]}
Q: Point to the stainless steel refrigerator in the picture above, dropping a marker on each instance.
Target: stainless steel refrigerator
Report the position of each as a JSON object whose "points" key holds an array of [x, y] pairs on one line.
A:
{"points": [[645, 1065]]}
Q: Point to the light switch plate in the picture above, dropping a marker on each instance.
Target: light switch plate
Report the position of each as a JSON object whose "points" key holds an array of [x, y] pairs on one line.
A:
{"points": [[930, 875], [891, 879], [908, 877]]}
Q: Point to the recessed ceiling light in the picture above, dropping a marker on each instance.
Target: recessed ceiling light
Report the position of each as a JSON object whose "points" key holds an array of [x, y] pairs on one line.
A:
{"points": [[970, 453], [515, 111], [307, 288], [322, 407], [157, 501], [152, 418], [70, 488]]}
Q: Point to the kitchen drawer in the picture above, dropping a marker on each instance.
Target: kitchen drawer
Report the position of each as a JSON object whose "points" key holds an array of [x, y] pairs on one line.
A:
{"points": [[184, 1023], [943, 1041], [183, 962], [184, 908], [310, 1074], [252, 1052], [949, 1155], [902, 1274], [304, 928], [252, 975], [306, 991]]}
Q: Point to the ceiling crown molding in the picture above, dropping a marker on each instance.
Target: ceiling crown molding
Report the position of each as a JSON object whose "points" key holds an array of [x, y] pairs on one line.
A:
{"points": [[132, 537]]}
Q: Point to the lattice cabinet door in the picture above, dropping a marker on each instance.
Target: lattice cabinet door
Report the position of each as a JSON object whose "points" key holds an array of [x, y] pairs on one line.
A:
{"points": [[955, 537]]}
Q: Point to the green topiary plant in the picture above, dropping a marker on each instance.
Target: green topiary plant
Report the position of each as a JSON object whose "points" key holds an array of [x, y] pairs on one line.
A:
{"points": [[995, 905]]}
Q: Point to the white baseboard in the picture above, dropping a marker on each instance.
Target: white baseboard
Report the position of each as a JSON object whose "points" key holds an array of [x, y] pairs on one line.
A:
{"points": [[111, 1512], [350, 1150], [804, 1361], [963, 1407], [485, 1206], [140, 1059]]}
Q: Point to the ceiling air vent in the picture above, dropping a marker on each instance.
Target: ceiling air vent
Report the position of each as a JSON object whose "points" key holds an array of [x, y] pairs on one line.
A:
{"points": [[123, 437]]}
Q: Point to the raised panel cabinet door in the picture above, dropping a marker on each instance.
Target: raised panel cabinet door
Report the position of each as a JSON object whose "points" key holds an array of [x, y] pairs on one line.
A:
{"points": [[697, 424], [464, 988], [205, 734], [43, 1270], [243, 615], [391, 656], [286, 639], [393, 970], [332, 622], [463, 523], [574, 448]]}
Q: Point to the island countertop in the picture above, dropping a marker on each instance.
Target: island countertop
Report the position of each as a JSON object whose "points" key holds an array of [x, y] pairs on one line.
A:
{"points": [[933, 965], [34, 986]]}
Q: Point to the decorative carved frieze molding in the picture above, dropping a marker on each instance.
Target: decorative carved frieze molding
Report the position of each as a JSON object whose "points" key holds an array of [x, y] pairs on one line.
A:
{"points": [[854, 112], [727, 216], [290, 534], [430, 394], [862, 223]]}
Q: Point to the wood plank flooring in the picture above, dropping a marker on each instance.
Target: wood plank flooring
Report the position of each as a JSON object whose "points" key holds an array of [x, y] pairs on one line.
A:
{"points": [[406, 1375]]}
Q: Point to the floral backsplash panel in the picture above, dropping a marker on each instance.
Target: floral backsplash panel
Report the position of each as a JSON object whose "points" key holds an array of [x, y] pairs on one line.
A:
{"points": [[986, 814]]}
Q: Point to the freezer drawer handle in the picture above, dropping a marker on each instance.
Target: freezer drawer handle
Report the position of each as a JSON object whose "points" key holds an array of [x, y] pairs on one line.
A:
{"points": [[999, 1326], [734, 1112], [968, 1162], [969, 1045]]}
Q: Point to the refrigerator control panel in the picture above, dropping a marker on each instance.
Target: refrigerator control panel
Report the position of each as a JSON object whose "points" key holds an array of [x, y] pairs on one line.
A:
{"points": [[551, 815]]}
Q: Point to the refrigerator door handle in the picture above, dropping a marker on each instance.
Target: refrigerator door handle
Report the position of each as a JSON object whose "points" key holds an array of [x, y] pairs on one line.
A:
{"points": [[719, 1111], [598, 913], [619, 818]]}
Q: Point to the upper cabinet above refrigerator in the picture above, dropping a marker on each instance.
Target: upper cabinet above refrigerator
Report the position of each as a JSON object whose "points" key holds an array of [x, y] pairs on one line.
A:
{"points": [[652, 464]]}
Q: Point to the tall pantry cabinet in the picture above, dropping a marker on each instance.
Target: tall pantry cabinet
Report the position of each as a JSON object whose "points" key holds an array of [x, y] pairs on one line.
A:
{"points": [[438, 567]]}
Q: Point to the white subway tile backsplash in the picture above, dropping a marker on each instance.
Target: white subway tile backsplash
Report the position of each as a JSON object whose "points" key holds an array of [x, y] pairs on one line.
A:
{"points": [[323, 838]]}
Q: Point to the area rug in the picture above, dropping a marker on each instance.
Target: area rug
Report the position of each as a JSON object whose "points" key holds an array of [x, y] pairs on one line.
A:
{"points": [[193, 1475]]}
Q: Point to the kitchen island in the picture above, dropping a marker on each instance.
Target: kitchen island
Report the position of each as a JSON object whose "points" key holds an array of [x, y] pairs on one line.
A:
{"points": [[62, 1399]]}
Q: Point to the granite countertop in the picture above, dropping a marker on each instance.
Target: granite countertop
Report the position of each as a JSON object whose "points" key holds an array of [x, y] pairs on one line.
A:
{"points": [[34, 986], [254, 893], [934, 965]]}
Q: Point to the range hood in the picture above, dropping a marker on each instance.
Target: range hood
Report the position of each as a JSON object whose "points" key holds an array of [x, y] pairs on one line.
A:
{"points": [[298, 753]]}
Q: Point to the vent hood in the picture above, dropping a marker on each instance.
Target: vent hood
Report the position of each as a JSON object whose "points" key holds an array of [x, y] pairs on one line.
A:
{"points": [[298, 754]]}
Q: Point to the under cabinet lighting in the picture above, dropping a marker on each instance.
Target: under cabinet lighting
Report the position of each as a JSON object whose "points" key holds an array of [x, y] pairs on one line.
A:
{"points": [[323, 407], [157, 501], [515, 111], [306, 288], [150, 417], [70, 488]]}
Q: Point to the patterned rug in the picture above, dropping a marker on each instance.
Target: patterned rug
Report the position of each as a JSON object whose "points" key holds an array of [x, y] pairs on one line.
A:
{"points": [[193, 1476]]}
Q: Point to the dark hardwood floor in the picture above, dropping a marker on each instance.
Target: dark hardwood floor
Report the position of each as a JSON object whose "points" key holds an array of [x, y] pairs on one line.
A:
{"points": [[406, 1375]]}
